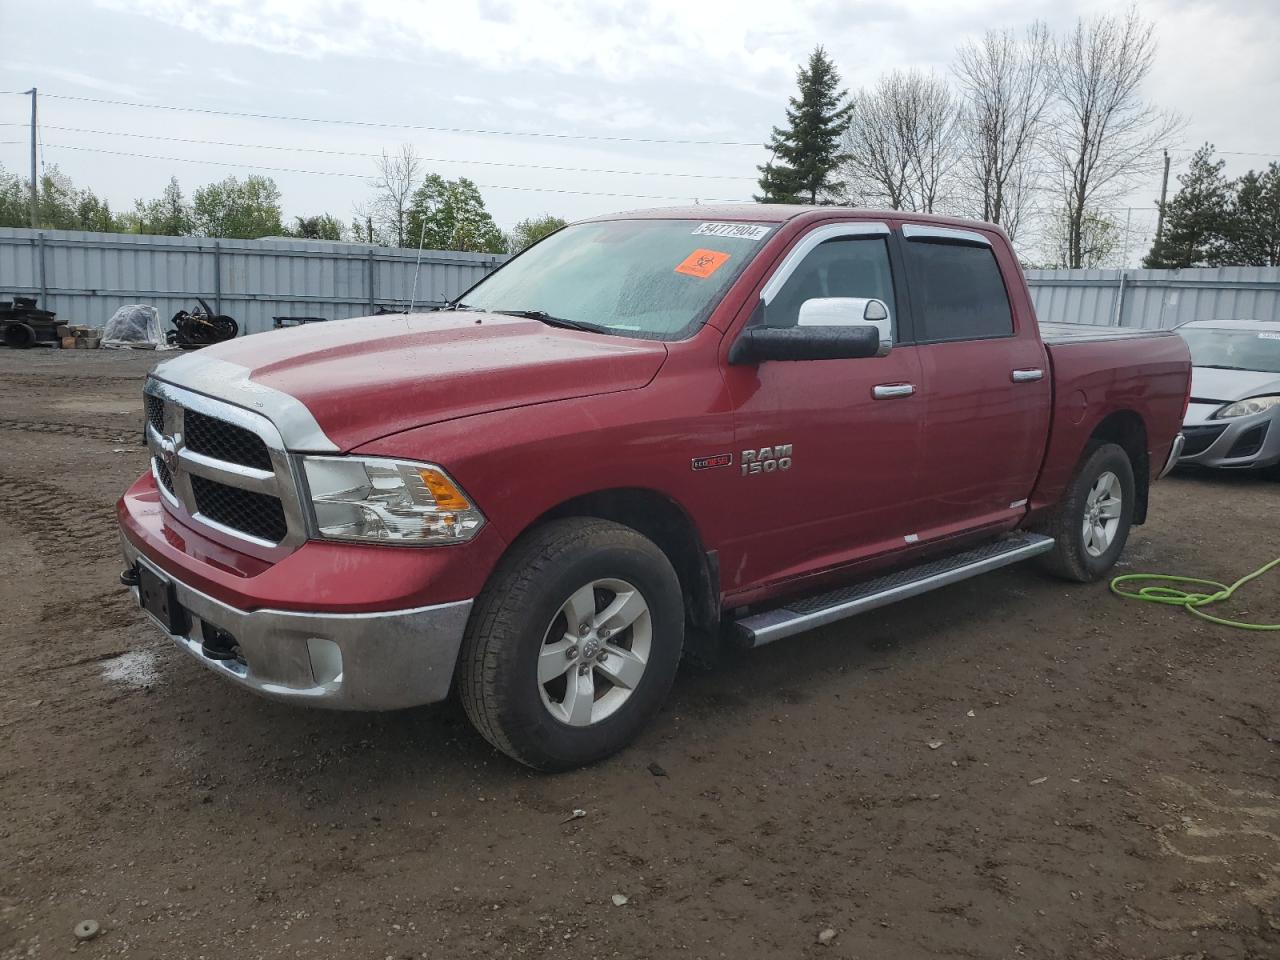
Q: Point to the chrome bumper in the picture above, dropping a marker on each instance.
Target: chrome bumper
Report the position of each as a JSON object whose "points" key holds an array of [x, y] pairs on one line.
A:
{"points": [[1174, 453], [355, 661]]}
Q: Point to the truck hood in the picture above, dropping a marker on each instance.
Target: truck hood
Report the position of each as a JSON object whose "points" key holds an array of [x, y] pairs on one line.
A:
{"points": [[368, 377], [1211, 384]]}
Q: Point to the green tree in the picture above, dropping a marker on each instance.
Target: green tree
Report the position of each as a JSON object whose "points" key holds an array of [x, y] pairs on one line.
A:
{"points": [[1253, 230], [323, 226], [95, 214], [57, 201], [528, 232], [1195, 220], [168, 215], [807, 152], [15, 200], [242, 210], [450, 215], [1093, 241]]}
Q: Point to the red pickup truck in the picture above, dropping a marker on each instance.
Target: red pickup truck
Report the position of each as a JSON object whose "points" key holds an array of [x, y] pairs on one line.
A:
{"points": [[647, 435]]}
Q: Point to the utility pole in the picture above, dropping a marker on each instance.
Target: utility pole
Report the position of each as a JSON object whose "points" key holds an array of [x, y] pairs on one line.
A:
{"points": [[1164, 189], [35, 201], [1124, 250]]}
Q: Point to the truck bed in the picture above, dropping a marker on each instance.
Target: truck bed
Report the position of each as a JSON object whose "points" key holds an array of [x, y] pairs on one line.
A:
{"points": [[1060, 333], [1101, 370]]}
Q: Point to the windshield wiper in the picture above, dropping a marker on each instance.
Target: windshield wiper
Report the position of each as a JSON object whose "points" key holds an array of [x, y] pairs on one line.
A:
{"points": [[543, 317], [1215, 366]]}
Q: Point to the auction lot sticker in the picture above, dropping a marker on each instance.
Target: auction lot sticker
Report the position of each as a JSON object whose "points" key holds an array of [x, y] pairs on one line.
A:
{"points": [[702, 263], [735, 231]]}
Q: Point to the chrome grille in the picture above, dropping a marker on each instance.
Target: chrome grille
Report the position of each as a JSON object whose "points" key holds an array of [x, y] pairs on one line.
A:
{"points": [[224, 441], [162, 474], [155, 411], [225, 468]]}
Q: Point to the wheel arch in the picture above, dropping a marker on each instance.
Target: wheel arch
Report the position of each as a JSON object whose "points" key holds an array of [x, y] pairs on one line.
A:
{"points": [[1127, 430], [671, 527]]}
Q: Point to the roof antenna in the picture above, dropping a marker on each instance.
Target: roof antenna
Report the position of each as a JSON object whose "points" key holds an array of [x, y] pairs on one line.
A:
{"points": [[422, 235]]}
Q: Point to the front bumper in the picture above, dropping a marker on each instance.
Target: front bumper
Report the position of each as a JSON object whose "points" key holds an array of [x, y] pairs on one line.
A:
{"points": [[344, 661], [1241, 443]]}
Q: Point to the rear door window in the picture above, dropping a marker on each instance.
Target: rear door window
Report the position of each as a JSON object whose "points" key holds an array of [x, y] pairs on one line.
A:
{"points": [[957, 290]]}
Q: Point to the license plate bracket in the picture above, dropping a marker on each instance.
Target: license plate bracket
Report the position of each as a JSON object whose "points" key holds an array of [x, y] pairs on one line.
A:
{"points": [[158, 598]]}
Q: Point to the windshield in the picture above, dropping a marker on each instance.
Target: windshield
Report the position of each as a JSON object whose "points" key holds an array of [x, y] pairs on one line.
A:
{"points": [[656, 279], [1234, 349]]}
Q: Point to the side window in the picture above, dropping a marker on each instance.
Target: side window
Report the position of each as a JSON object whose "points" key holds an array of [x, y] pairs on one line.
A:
{"points": [[957, 291], [841, 267]]}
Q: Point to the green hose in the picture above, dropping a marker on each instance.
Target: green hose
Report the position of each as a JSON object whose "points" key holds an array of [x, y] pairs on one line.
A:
{"points": [[1193, 601]]}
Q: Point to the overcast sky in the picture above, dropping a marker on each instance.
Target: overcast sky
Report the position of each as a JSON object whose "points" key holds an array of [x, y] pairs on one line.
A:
{"points": [[714, 70]]}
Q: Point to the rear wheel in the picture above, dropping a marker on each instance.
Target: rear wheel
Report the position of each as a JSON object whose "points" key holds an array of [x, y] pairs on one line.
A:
{"points": [[573, 645], [1092, 523]]}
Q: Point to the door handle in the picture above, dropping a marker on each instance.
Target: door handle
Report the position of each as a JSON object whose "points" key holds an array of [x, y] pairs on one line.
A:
{"points": [[1030, 375], [887, 391]]}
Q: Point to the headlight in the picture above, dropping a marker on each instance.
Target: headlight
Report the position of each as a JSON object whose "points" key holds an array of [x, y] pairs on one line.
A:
{"points": [[1246, 408], [388, 501]]}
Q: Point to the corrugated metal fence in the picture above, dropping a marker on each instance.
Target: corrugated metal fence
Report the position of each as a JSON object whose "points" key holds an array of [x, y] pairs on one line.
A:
{"points": [[85, 277], [1155, 298]]}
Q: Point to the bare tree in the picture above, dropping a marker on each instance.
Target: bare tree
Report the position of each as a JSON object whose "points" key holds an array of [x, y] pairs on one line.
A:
{"points": [[1006, 85], [1098, 240], [393, 189], [1105, 136], [902, 142]]}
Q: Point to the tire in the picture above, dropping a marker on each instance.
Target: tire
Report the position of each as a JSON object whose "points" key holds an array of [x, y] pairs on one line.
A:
{"points": [[19, 336], [1074, 556], [519, 636]]}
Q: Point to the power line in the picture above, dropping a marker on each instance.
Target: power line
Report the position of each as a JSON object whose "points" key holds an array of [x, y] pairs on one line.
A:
{"points": [[398, 126], [352, 153], [364, 176]]}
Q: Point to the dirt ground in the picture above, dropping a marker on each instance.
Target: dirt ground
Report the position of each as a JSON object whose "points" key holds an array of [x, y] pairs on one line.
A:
{"points": [[1011, 767]]}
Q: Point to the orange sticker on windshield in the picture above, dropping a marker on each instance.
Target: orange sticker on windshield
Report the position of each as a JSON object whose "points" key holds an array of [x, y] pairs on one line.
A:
{"points": [[702, 263]]}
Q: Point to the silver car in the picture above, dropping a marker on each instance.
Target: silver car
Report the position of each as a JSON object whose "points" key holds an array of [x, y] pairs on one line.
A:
{"points": [[1234, 417]]}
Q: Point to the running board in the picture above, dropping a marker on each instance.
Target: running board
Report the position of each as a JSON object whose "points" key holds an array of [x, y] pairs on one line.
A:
{"points": [[805, 614]]}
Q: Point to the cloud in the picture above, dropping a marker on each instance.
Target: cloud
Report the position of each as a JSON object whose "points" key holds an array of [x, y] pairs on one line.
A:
{"points": [[75, 77], [742, 43]]}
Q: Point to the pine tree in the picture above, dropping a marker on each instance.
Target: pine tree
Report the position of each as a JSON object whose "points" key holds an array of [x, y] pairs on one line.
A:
{"points": [[1253, 234], [807, 153], [1195, 220]]}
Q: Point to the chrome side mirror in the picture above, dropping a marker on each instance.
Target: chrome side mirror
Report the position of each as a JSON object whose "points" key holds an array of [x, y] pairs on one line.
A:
{"points": [[849, 312]]}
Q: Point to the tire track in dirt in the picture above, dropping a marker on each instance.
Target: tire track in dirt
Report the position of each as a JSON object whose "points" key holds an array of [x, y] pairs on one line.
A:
{"points": [[83, 431], [58, 520], [52, 379]]}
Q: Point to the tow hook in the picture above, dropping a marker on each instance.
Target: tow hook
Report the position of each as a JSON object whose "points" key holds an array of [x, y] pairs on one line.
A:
{"points": [[217, 644], [129, 576]]}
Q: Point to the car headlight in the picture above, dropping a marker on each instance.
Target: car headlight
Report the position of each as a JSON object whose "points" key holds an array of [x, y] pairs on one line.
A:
{"points": [[388, 501], [1246, 408]]}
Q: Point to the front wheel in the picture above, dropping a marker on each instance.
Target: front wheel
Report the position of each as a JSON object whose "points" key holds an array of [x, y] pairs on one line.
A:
{"points": [[573, 645], [1092, 522]]}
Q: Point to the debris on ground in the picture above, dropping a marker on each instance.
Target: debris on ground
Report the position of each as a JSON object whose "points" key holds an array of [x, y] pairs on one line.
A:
{"points": [[826, 936], [87, 929]]}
